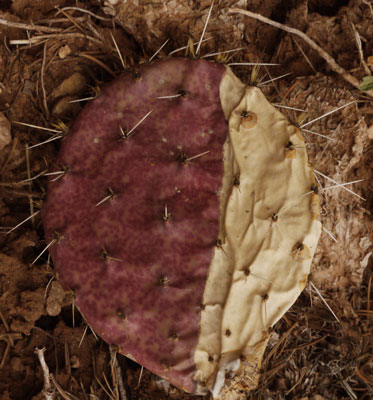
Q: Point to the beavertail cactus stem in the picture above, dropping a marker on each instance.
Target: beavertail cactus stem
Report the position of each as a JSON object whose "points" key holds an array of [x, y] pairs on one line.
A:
{"points": [[186, 221]]}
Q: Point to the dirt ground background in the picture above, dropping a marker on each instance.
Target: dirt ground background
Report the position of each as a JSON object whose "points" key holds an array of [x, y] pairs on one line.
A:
{"points": [[62, 51]]}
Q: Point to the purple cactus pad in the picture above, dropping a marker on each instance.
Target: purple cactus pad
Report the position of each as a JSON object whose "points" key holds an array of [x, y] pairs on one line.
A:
{"points": [[136, 216]]}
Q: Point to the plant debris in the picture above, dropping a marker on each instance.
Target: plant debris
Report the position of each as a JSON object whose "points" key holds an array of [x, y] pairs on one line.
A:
{"points": [[310, 354]]}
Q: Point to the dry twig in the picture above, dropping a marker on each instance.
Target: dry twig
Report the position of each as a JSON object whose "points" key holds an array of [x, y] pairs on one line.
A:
{"points": [[100, 63], [324, 301], [360, 48], [83, 10], [29, 27], [205, 26], [64, 395], [48, 392], [328, 58], [117, 375]]}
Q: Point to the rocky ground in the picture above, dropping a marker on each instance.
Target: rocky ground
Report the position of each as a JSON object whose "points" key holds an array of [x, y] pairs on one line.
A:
{"points": [[53, 52]]}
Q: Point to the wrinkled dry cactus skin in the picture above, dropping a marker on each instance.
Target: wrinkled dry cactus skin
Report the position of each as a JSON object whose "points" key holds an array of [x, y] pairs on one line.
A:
{"points": [[157, 228]]}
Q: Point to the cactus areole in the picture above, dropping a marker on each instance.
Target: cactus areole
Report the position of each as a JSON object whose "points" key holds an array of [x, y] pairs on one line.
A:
{"points": [[185, 221]]}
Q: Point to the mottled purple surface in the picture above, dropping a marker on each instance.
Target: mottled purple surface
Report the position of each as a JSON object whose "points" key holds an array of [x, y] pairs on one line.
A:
{"points": [[138, 278]]}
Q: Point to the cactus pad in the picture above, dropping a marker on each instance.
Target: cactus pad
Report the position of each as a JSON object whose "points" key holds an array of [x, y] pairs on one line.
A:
{"points": [[185, 221]]}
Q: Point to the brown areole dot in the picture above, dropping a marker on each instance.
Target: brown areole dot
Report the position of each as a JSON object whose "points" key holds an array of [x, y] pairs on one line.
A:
{"points": [[121, 314], [104, 255], [57, 236], [115, 348], [315, 189], [290, 145], [182, 92], [289, 150], [108, 195], [166, 215], [299, 246], [248, 119], [137, 73], [166, 366], [228, 332], [123, 133], [164, 281], [183, 157], [56, 175]]}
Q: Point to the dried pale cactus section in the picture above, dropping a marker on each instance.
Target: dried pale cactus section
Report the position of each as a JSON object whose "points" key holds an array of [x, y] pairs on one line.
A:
{"points": [[269, 232]]}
